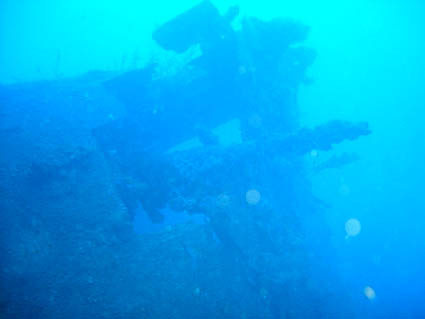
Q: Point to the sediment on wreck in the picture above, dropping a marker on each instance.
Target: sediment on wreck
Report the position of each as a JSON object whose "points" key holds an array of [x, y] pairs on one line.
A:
{"points": [[81, 154]]}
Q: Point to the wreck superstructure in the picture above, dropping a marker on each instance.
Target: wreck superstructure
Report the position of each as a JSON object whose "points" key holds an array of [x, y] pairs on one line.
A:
{"points": [[84, 153]]}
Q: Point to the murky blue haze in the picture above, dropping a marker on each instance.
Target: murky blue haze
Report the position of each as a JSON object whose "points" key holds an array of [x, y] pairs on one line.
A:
{"points": [[142, 177]]}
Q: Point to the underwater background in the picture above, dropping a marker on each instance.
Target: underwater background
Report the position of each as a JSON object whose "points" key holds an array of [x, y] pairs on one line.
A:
{"points": [[122, 197]]}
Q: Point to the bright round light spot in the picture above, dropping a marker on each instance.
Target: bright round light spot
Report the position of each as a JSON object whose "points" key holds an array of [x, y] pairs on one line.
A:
{"points": [[223, 200], [313, 153], [352, 227], [252, 197], [369, 293]]}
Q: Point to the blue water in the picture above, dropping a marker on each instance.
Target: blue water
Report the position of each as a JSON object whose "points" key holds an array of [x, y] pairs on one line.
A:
{"points": [[141, 180]]}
